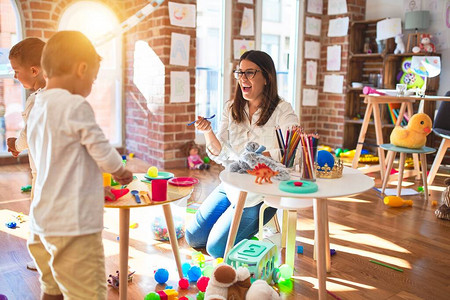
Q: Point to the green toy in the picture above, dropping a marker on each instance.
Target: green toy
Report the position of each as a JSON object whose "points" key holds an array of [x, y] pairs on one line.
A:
{"points": [[26, 188], [408, 77]]}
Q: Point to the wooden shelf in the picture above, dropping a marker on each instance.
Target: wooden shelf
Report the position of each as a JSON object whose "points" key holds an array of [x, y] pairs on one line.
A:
{"points": [[366, 55], [360, 121]]}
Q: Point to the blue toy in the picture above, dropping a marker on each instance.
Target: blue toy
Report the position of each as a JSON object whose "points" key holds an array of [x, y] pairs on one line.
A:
{"points": [[194, 273], [185, 268], [299, 249], [11, 225], [259, 257], [161, 276], [325, 157]]}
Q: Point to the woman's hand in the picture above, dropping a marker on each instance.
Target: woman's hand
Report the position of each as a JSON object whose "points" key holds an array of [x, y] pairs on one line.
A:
{"points": [[203, 125]]}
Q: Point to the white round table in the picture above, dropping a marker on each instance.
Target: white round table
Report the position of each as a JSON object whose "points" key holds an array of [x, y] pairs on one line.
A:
{"points": [[352, 182]]}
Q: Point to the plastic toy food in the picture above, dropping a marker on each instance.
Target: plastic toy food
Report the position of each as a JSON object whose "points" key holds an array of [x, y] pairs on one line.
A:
{"points": [[394, 201]]}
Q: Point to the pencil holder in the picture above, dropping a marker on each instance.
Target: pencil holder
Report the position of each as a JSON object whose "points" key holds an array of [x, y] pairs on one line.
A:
{"points": [[307, 169], [290, 158]]}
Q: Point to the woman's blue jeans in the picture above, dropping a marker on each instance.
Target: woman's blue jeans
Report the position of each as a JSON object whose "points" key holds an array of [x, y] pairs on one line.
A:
{"points": [[212, 222]]}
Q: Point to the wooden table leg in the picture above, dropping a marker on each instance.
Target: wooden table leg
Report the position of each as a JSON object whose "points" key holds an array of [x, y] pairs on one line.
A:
{"points": [[423, 163], [320, 227], [379, 136], [235, 222], [172, 237], [291, 237], [124, 235], [284, 229], [362, 135], [327, 238]]}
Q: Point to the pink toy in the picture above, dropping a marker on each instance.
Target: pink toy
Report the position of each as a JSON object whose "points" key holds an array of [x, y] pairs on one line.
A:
{"points": [[202, 283], [425, 43], [195, 162], [368, 90], [117, 193], [183, 284]]}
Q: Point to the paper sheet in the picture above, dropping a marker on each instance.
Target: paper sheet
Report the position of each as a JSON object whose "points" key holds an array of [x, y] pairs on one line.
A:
{"points": [[311, 72], [312, 49], [404, 192], [334, 58], [313, 26], [310, 97], [333, 84], [179, 49], [389, 28], [241, 46], [337, 7], [315, 6], [246, 1], [247, 25], [182, 14], [179, 87], [412, 5], [338, 27]]}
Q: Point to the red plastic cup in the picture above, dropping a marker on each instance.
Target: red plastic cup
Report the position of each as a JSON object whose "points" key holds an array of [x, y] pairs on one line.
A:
{"points": [[159, 189]]}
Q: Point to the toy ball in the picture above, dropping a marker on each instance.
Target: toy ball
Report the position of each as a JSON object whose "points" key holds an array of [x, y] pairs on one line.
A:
{"points": [[194, 273], [183, 298], [286, 272], [152, 172], [325, 157], [185, 268], [218, 261], [202, 283], [152, 296], [206, 160], [3, 297], [160, 231], [183, 284], [131, 155], [207, 271], [276, 275], [338, 152], [161, 276], [198, 259], [285, 286], [200, 296]]}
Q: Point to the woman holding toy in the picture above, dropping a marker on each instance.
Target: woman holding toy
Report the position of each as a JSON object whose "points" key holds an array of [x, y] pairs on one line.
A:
{"points": [[252, 116]]}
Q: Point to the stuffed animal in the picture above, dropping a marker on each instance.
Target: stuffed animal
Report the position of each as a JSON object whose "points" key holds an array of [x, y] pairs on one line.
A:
{"points": [[425, 43], [251, 157], [400, 48], [443, 212], [226, 283], [408, 77], [414, 135]]}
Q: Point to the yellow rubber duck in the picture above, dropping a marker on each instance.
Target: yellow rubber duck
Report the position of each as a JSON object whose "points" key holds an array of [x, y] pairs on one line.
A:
{"points": [[414, 135]]}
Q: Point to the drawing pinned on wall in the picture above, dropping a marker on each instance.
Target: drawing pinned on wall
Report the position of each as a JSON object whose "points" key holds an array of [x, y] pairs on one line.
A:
{"points": [[334, 58], [333, 84], [182, 14], [241, 46], [311, 72], [245, 1], [179, 87], [338, 27], [310, 97], [247, 25], [313, 26], [315, 6], [312, 49], [412, 5], [337, 7], [179, 49], [389, 28]]}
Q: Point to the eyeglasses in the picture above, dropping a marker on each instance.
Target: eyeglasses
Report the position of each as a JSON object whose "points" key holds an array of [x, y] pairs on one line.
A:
{"points": [[249, 74]]}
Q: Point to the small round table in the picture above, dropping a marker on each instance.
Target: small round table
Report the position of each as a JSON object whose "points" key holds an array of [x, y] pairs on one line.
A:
{"points": [[174, 193], [392, 152]]}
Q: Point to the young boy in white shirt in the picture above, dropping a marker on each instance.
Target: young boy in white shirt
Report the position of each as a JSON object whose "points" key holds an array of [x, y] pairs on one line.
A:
{"points": [[70, 152]]}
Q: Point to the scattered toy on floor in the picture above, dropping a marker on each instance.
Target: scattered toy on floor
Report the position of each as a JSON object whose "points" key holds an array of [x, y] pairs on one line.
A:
{"points": [[161, 276], [194, 273], [114, 279], [183, 283], [299, 249], [394, 201], [202, 283], [26, 188], [443, 212], [332, 252]]}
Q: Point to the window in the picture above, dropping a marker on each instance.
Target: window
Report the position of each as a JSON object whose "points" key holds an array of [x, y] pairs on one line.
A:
{"points": [[94, 20], [209, 69], [12, 94], [271, 10]]}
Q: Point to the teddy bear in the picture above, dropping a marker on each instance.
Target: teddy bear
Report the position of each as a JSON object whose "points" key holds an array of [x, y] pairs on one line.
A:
{"points": [[425, 43], [443, 212], [252, 156], [226, 283]]}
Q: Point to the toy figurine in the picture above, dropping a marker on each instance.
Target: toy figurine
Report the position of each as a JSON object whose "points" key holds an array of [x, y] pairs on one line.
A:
{"points": [[195, 162], [262, 173], [414, 135], [425, 43], [400, 46]]}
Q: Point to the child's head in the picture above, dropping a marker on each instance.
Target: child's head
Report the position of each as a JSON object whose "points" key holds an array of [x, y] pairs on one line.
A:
{"points": [[70, 55], [25, 58]]}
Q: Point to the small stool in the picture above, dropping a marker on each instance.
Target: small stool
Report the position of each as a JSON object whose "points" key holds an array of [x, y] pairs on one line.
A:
{"points": [[392, 152]]}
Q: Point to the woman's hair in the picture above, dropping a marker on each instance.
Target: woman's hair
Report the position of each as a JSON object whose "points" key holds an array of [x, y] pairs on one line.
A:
{"points": [[270, 92]]}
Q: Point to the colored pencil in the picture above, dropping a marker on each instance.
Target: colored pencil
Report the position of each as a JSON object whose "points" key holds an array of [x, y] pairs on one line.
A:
{"points": [[385, 265]]}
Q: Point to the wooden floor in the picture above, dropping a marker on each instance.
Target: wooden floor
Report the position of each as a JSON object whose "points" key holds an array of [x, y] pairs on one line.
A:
{"points": [[362, 228]]}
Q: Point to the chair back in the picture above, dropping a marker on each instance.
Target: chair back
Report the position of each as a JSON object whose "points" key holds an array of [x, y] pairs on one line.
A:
{"points": [[442, 119]]}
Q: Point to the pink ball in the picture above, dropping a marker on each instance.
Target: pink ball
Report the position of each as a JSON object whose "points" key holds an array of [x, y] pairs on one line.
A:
{"points": [[183, 284], [202, 283], [183, 298]]}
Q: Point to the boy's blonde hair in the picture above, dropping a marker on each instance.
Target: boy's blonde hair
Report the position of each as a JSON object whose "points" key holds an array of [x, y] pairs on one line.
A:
{"points": [[28, 52], [65, 49]]}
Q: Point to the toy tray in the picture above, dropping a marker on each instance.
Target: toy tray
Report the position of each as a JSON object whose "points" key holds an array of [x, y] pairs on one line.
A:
{"points": [[306, 188], [161, 175], [183, 181]]}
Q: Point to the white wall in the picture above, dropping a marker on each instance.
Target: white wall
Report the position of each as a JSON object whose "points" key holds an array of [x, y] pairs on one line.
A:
{"points": [[378, 9]]}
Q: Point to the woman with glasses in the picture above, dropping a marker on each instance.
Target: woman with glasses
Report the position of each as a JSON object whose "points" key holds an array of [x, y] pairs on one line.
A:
{"points": [[252, 116]]}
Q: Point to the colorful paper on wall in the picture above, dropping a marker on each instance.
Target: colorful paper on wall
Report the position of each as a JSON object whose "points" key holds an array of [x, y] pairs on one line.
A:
{"points": [[247, 25], [389, 28], [311, 72], [334, 58], [337, 7], [333, 84], [310, 97], [312, 49], [241, 46], [315, 6], [179, 49], [338, 27], [179, 87], [182, 14], [412, 5], [313, 26]]}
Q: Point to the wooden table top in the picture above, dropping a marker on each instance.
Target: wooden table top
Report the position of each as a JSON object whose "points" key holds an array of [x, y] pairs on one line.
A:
{"points": [[174, 193]]}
